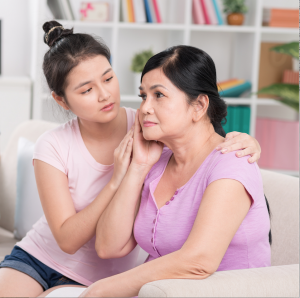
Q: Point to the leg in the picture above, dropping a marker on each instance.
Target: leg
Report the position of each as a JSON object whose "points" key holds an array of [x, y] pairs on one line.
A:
{"points": [[57, 287], [14, 283]]}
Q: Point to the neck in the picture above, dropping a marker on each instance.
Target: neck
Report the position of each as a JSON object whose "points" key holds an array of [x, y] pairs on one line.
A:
{"points": [[100, 131], [195, 145]]}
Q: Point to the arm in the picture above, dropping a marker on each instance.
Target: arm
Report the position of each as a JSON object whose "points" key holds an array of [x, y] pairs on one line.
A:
{"points": [[243, 142], [114, 235], [224, 205], [72, 230]]}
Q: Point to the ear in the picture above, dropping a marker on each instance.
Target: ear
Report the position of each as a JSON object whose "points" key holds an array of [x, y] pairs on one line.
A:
{"points": [[200, 107], [60, 100]]}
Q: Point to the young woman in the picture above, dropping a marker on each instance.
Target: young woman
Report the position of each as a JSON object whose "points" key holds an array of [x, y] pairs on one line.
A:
{"points": [[78, 166], [199, 211]]}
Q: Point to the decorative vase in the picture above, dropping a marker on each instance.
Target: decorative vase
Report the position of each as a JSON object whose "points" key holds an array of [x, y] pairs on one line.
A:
{"points": [[137, 82], [235, 19]]}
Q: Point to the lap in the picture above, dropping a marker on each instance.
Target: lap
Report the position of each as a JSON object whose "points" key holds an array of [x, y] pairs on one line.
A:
{"points": [[64, 291]]}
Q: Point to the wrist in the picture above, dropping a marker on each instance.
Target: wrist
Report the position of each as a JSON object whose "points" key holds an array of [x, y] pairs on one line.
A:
{"points": [[139, 170]]}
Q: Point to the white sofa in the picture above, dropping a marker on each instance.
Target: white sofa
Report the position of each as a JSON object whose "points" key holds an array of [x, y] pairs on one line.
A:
{"points": [[280, 280]]}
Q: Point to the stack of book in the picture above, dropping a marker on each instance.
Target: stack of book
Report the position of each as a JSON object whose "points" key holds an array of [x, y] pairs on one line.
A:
{"points": [[279, 141], [275, 17], [233, 87], [141, 11], [290, 77], [207, 12], [238, 119]]}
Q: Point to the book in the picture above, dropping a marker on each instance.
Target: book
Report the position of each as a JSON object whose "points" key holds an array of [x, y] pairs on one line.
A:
{"points": [[284, 18], [238, 119], [57, 9], [236, 91], [67, 10], [139, 11], [290, 77], [229, 84], [130, 11], [152, 11], [148, 11], [211, 12], [205, 12], [218, 12], [198, 13], [157, 12], [246, 120], [124, 10]]}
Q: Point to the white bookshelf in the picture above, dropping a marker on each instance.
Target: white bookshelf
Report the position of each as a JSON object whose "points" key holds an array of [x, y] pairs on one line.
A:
{"points": [[235, 49]]}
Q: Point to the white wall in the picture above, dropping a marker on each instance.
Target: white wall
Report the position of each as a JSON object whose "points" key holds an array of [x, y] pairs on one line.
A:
{"points": [[16, 37]]}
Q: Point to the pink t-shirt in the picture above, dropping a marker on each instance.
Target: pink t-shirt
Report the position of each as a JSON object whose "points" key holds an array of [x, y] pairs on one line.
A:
{"points": [[64, 149], [163, 231]]}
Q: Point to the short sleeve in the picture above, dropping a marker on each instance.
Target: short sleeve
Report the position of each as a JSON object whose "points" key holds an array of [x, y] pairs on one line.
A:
{"points": [[49, 149], [130, 117], [228, 166]]}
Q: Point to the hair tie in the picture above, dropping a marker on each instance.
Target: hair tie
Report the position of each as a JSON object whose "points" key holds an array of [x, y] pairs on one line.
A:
{"points": [[47, 35]]}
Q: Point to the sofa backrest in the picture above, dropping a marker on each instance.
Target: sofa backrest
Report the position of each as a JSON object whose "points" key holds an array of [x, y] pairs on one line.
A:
{"points": [[282, 192], [30, 130]]}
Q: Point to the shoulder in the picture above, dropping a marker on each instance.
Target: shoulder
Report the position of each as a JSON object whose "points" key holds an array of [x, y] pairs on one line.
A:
{"points": [[228, 166], [130, 116]]}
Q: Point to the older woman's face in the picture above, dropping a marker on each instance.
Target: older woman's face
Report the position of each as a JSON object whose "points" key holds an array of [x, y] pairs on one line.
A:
{"points": [[164, 112]]}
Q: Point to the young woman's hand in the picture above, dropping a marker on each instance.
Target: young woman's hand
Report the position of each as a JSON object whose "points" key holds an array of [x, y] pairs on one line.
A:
{"points": [[122, 158], [145, 153], [243, 142]]}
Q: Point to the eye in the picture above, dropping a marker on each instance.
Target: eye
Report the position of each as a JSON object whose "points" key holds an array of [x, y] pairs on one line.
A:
{"points": [[143, 96], [159, 94], [108, 79], [87, 91]]}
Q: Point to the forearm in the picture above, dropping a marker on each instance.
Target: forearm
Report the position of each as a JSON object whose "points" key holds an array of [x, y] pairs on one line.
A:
{"points": [[81, 227], [175, 265], [115, 225]]}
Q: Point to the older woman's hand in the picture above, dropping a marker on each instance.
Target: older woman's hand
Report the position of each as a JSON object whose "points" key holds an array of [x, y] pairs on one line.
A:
{"points": [[243, 142]]}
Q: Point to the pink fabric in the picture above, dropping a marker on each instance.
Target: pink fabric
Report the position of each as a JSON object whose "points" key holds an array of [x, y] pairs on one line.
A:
{"points": [[162, 231], [279, 141], [64, 149]]}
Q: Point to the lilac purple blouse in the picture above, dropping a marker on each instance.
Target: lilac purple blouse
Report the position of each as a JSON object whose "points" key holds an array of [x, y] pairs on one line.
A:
{"points": [[163, 231]]}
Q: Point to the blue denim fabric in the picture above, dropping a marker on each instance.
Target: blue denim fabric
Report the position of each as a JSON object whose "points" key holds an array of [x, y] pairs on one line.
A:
{"points": [[22, 261]]}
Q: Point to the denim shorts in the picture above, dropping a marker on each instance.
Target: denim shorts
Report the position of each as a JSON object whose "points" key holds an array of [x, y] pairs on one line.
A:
{"points": [[22, 261]]}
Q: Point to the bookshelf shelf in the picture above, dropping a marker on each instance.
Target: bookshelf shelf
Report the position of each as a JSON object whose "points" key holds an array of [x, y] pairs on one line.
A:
{"points": [[275, 30], [143, 26], [86, 24], [224, 28]]}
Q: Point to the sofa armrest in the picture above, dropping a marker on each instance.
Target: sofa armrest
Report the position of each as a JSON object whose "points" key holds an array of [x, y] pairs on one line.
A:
{"points": [[279, 281]]}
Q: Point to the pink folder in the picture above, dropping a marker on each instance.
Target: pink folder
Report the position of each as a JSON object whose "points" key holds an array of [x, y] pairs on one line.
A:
{"points": [[198, 13]]}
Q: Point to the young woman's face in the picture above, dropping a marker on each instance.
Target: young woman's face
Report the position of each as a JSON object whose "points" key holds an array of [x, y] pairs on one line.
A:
{"points": [[92, 91], [164, 112]]}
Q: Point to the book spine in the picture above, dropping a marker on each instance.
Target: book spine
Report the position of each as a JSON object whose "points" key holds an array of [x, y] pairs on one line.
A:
{"points": [[211, 12], [130, 11], [152, 11], [205, 12], [218, 12], [157, 13], [139, 11], [148, 12], [236, 91], [198, 13], [124, 11]]}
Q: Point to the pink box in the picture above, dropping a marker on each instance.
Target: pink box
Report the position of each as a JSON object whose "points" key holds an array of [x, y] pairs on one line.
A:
{"points": [[279, 141]]}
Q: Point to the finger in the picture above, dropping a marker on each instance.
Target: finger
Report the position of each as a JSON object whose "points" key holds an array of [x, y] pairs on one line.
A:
{"points": [[233, 147], [128, 150], [232, 135], [125, 141], [136, 123], [246, 151], [255, 157]]}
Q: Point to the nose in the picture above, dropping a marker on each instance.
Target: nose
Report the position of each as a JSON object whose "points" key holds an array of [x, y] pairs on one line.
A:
{"points": [[147, 107], [103, 94]]}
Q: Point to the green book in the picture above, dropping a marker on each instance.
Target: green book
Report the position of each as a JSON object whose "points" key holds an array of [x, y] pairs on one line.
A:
{"points": [[246, 120]]}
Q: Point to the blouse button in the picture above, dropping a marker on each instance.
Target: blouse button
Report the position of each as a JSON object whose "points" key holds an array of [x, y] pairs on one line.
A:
{"points": [[153, 230], [152, 240], [154, 220], [176, 192], [168, 203], [172, 199]]}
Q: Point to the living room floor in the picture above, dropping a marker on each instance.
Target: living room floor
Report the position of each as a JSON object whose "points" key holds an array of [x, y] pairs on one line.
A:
{"points": [[7, 242]]}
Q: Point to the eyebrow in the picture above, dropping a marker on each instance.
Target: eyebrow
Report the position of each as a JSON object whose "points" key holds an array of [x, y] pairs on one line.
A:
{"points": [[153, 87], [87, 82]]}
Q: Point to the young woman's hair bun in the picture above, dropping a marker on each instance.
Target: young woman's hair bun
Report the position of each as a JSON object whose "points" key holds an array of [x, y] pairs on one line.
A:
{"points": [[54, 31]]}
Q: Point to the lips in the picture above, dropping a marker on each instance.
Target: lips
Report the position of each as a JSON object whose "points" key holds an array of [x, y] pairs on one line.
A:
{"points": [[107, 107], [148, 124]]}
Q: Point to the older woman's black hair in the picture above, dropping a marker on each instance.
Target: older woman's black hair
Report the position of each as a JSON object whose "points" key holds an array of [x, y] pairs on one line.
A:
{"points": [[66, 51], [192, 71]]}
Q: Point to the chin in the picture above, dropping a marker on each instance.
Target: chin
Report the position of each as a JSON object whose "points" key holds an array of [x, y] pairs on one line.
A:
{"points": [[150, 136]]}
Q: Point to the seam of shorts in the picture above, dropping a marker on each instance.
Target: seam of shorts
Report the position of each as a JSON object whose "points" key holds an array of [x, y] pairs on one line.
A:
{"points": [[25, 268]]}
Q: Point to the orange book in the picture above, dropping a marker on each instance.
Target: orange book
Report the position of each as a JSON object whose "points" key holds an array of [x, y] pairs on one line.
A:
{"points": [[130, 11], [284, 18], [290, 77], [229, 84]]}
